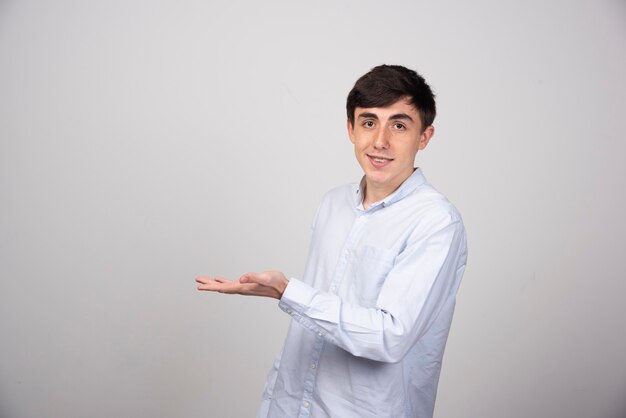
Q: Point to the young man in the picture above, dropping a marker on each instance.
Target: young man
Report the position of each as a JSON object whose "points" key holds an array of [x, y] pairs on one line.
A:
{"points": [[371, 315]]}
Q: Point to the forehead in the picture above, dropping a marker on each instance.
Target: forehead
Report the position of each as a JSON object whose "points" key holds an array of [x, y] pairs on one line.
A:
{"points": [[402, 107]]}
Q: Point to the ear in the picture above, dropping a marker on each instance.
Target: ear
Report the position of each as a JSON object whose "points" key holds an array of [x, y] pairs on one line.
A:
{"points": [[350, 131], [426, 136]]}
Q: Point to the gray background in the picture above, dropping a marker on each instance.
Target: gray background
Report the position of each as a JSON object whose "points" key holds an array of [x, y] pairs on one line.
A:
{"points": [[144, 143]]}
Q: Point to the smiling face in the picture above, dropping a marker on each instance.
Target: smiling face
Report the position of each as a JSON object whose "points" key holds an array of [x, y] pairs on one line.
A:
{"points": [[386, 140]]}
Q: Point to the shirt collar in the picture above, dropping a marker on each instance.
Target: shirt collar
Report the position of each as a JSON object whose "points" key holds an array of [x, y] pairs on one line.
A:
{"points": [[407, 187]]}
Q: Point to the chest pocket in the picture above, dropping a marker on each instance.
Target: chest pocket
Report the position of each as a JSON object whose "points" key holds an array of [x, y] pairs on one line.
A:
{"points": [[371, 267]]}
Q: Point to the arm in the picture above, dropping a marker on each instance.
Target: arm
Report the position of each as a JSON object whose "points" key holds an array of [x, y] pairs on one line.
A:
{"points": [[424, 279]]}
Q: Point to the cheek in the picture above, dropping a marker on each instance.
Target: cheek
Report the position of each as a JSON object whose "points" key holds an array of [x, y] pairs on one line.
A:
{"points": [[360, 143], [406, 151]]}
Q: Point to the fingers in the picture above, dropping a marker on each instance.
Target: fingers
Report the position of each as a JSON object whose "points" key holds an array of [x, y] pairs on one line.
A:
{"points": [[215, 284], [258, 278], [205, 280], [222, 287]]}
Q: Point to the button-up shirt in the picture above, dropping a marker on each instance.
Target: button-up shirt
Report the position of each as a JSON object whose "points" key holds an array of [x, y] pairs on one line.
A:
{"points": [[371, 315]]}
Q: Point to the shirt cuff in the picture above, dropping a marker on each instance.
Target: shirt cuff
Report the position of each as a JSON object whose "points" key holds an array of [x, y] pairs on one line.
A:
{"points": [[296, 297], [296, 301]]}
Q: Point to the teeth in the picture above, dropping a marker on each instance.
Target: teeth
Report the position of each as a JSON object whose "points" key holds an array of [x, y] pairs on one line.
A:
{"points": [[380, 160]]}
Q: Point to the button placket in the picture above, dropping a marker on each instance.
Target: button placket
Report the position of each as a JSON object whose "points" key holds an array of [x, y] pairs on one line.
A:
{"points": [[343, 263], [311, 375]]}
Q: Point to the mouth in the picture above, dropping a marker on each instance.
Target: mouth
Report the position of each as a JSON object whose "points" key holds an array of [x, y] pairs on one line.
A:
{"points": [[378, 161]]}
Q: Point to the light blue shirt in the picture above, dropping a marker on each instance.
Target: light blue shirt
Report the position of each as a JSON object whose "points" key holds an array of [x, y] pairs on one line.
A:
{"points": [[370, 317]]}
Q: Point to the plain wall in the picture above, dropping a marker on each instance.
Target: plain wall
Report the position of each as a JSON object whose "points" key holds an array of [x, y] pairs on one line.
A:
{"points": [[145, 143]]}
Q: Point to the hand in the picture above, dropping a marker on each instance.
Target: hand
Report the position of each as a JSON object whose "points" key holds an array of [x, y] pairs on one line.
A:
{"points": [[270, 284]]}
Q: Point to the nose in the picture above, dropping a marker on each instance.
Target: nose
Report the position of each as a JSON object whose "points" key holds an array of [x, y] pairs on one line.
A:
{"points": [[381, 141]]}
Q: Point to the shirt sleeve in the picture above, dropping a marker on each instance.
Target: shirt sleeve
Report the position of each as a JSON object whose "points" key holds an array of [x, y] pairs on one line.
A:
{"points": [[425, 277]]}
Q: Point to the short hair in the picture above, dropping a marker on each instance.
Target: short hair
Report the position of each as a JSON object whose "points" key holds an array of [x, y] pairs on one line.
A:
{"points": [[386, 84]]}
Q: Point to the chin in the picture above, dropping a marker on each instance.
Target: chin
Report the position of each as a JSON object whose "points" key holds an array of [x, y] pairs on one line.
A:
{"points": [[377, 178]]}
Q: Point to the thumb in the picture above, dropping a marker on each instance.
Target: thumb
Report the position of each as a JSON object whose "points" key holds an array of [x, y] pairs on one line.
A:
{"points": [[249, 278]]}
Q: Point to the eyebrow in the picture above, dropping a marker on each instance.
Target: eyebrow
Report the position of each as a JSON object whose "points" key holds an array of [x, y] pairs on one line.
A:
{"points": [[397, 116], [401, 116], [368, 115]]}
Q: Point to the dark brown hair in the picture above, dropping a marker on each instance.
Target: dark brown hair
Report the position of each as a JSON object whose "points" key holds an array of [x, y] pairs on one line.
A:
{"points": [[385, 85]]}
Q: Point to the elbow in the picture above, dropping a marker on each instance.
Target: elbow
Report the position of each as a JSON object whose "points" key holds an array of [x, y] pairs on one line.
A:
{"points": [[390, 344], [384, 353]]}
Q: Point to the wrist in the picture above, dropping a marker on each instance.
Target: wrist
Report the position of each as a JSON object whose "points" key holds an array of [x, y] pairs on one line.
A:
{"points": [[282, 286]]}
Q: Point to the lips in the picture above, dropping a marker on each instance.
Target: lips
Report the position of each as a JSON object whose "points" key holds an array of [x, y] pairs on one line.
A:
{"points": [[379, 161]]}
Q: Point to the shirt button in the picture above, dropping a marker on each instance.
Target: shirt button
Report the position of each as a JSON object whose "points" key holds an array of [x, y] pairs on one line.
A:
{"points": [[289, 311], [313, 365], [333, 290], [319, 334], [306, 404]]}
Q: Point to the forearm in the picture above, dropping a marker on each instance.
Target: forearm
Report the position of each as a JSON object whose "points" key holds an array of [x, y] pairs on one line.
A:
{"points": [[373, 333]]}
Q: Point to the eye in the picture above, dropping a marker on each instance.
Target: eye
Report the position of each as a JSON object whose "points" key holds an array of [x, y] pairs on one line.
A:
{"points": [[368, 124], [398, 126]]}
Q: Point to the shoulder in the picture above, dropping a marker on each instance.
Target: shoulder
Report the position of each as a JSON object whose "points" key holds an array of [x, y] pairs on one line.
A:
{"points": [[337, 201], [432, 209], [348, 189], [341, 195]]}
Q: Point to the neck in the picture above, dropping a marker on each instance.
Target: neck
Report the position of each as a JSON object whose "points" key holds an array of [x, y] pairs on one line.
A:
{"points": [[375, 194]]}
